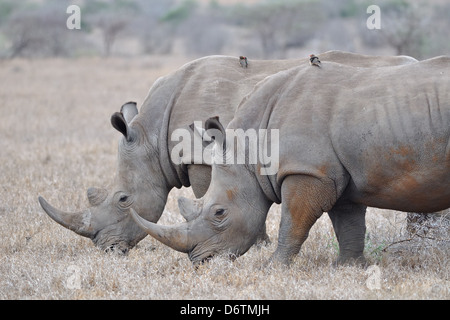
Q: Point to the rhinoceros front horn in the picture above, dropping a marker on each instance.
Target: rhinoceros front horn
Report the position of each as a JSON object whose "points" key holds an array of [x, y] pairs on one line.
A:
{"points": [[175, 237], [78, 222]]}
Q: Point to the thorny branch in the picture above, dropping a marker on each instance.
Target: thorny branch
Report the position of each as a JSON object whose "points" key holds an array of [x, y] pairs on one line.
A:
{"points": [[411, 238]]}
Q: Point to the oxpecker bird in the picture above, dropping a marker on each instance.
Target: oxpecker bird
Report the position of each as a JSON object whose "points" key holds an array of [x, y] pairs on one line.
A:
{"points": [[314, 60], [243, 61]]}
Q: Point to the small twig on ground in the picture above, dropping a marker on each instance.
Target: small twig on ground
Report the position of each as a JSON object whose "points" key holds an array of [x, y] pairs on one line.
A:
{"points": [[411, 238]]}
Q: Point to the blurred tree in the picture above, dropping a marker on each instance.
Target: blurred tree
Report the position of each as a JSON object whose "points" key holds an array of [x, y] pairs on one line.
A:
{"points": [[111, 18], [180, 13], [38, 31], [155, 34], [111, 26], [204, 31], [280, 25], [201, 28], [6, 8], [262, 29], [21, 33], [409, 28], [404, 26], [437, 41]]}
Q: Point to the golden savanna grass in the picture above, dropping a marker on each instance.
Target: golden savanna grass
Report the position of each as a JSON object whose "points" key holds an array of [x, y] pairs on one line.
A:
{"points": [[56, 141]]}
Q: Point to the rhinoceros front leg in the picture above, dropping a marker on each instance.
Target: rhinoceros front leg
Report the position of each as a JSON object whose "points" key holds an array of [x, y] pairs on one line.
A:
{"points": [[304, 199], [349, 223]]}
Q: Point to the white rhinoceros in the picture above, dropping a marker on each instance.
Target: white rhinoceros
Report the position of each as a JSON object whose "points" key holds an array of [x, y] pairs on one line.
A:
{"points": [[206, 87], [348, 138]]}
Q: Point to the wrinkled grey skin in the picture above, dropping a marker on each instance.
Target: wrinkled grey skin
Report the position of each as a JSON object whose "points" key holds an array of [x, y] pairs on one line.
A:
{"points": [[349, 138], [145, 175]]}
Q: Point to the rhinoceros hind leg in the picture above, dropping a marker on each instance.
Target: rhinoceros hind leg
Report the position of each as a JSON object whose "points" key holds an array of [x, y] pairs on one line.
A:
{"points": [[304, 199], [349, 223]]}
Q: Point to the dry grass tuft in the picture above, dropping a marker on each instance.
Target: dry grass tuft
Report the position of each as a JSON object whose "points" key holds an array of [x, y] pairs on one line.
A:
{"points": [[57, 141]]}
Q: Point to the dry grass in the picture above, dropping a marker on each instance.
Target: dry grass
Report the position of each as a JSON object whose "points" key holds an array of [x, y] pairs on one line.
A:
{"points": [[56, 141]]}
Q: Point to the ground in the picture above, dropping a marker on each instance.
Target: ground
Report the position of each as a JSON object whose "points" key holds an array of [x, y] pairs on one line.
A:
{"points": [[57, 140]]}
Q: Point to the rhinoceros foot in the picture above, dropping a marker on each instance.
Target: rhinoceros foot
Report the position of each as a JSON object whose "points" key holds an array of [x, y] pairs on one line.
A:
{"points": [[359, 261]]}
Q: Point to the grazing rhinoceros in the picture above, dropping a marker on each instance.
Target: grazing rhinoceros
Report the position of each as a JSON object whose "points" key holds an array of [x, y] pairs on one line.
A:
{"points": [[348, 138], [203, 88]]}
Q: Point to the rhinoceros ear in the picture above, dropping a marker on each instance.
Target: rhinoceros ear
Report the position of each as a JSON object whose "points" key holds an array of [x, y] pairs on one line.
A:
{"points": [[120, 120], [214, 123], [201, 133], [119, 123], [129, 111], [216, 130]]}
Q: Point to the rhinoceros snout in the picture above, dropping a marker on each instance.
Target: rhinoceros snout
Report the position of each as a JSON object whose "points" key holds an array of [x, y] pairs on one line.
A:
{"points": [[117, 248]]}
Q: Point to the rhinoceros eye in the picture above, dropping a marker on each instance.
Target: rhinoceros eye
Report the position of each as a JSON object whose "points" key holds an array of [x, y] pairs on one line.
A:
{"points": [[123, 200], [219, 212]]}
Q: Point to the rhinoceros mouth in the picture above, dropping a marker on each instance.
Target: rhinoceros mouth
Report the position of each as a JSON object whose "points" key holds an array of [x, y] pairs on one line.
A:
{"points": [[117, 248], [199, 256], [109, 243], [201, 261], [198, 260]]}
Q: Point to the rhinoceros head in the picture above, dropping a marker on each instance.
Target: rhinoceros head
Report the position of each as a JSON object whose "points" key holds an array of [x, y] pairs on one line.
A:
{"points": [[226, 220], [139, 183]]}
